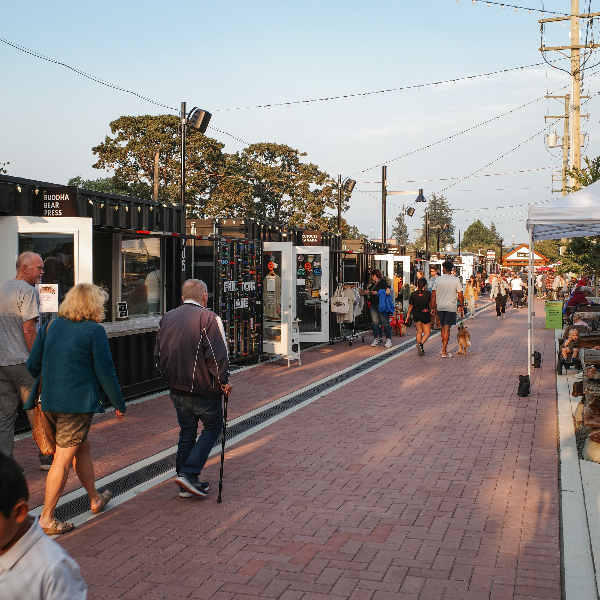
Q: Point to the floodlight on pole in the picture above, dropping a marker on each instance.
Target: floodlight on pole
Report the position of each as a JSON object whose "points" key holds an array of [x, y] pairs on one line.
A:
{"points": [[198, 120], [410, 211], [420, 197], [347, 186]]}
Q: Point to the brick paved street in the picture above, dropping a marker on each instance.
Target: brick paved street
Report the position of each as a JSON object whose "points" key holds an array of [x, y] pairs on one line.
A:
{"points": [[425, 479]]}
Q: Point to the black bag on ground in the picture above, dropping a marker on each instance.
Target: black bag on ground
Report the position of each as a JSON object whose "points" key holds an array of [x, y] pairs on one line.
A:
{"points": [[524, 384], [537, 360]]}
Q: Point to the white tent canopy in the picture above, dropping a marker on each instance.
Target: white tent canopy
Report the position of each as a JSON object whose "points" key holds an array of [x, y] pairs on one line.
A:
{"points": [[575, 215]]}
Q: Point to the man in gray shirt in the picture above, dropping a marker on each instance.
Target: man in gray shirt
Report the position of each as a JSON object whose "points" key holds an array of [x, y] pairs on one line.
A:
{"points": [[18, 316]]}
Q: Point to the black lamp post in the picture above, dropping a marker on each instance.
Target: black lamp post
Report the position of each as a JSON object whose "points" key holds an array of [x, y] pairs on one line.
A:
{"points": [[347, 186], [198, 120]]}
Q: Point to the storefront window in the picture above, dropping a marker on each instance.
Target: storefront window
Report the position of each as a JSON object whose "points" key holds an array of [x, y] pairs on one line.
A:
{"points": [[141, 284], [271, 289], [57, 252]]}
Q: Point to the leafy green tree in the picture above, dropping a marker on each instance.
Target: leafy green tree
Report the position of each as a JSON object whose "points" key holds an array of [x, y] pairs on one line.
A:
{"points": [[440, 215], [549, 248], [495, 234], [131, 150], [400, 230], [352, 233], [476, 236], [266, 181], [583, 177], [113, 185], [284, 189]]}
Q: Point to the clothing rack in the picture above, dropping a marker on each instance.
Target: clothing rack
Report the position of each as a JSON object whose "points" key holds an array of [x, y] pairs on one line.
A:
{"points": [[344, 333]]}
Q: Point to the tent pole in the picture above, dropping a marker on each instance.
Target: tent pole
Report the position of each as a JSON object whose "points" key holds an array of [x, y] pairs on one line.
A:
{"points": [[529, 306]]}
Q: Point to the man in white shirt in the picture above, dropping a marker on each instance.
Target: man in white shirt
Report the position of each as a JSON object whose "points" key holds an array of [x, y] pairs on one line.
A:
{"points": [[516, 286], [446, 291], [32, 566]]}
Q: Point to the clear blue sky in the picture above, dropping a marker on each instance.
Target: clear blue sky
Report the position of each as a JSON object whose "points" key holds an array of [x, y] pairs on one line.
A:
{"points": [[221, 55]]}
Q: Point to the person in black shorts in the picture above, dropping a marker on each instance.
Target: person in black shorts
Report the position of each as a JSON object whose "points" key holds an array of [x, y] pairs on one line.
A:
{"points": [[419, 304]]}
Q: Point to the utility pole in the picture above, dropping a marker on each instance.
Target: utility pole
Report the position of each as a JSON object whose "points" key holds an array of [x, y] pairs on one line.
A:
{"points": [[402, 243], [339, 227], [155, 182], [383, 203], [426, 231], [574, 110]]}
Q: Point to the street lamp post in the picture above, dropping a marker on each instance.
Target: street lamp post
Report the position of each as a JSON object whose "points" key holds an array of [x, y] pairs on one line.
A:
{"points": [[198, 120], [347, 186]]}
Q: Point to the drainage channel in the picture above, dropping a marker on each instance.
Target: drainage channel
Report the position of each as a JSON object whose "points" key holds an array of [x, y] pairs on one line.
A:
{"points": [[132, 480]]}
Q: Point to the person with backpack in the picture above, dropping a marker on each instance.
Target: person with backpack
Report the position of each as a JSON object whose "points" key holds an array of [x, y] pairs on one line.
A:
{"points": [[381, 319]]}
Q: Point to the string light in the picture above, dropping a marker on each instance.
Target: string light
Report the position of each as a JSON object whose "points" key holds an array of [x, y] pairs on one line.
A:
{"points": [[467, 177]]}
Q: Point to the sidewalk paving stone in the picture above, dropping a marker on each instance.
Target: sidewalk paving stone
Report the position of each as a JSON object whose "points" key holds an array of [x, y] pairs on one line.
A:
{"points": [[425, 478]]}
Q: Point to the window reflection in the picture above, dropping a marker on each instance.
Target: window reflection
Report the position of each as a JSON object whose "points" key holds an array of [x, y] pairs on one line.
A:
{"points": [[141, 284], [57, 252]]}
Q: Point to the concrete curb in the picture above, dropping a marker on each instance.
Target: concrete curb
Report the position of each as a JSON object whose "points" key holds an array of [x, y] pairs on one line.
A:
{"points": [[579, 535]]}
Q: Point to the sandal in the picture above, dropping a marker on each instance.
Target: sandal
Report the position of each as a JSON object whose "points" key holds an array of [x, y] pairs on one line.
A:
{"points": [[105, 498], [58, 527]]}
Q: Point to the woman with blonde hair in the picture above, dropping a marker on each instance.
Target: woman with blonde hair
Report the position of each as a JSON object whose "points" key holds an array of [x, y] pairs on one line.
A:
{"points": [[472, 294], [72, 361]]}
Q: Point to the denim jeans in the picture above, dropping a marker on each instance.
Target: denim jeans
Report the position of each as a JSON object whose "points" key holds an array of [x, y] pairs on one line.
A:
{"points": [[381, 322], [192, 454]]}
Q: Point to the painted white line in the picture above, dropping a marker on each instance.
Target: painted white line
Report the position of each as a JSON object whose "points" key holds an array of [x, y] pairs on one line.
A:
{"points": [[579, 576]]}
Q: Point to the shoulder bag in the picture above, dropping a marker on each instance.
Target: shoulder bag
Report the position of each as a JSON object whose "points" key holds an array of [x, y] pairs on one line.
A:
{"points": [[43, 431], [340, 304]]}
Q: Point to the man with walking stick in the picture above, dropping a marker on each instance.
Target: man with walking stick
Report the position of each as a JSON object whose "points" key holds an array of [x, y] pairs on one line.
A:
{"points": [[191, 354]]}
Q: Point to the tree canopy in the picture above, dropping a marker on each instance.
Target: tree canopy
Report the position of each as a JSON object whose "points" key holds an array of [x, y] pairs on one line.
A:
{"points": [[265, 181], [476, 236], [440, 215]]}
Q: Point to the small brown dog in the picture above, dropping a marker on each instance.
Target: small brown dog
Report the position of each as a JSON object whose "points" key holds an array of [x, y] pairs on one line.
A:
{"points": [[464, 339]]}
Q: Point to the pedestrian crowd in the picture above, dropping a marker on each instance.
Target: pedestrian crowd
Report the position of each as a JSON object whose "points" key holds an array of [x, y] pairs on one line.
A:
{"points": [[62, 374]]}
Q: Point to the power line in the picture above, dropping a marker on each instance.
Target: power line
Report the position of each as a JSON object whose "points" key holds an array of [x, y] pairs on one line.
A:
{"points": [[397, 89], [517, 7], [459, 133], [105, 83]]}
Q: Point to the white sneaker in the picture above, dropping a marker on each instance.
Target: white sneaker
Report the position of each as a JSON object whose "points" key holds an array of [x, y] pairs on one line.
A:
{"points": [[388, 343], [375, 343], [498, 317]]}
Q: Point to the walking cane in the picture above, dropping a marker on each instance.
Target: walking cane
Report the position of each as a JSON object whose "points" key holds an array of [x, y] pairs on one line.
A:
{"points": [[226, 394]]}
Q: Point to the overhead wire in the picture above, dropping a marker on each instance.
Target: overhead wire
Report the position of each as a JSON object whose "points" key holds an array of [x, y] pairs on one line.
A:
{"points": [[454, 135]]}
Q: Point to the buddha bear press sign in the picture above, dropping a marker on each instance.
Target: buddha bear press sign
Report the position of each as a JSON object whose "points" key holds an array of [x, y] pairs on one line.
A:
{"points": [[59, 201]]}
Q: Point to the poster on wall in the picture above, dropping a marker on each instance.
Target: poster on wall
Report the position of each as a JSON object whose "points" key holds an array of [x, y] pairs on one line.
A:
{"points": [[48, 295]]}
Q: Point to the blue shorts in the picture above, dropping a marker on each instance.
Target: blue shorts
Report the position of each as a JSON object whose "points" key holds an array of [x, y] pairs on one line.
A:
{"points": [[447, 317]]}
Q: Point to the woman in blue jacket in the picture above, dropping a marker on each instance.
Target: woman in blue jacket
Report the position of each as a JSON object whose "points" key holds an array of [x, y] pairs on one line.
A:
{"points": [[381, 320], [72, 357]]}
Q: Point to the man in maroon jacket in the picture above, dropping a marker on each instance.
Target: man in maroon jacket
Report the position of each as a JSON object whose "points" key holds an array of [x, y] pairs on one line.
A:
{"points": [[191, 354]]}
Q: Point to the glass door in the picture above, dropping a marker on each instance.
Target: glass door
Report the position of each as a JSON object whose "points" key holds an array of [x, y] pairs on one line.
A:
{"points": [[312, 292]]}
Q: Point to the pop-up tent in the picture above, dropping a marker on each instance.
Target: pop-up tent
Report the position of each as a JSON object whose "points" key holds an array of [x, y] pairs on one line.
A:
{"points": [[575, 215]]}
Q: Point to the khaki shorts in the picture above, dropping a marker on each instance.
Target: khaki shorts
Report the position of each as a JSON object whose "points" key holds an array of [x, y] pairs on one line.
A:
{"points": [[70, 428]]}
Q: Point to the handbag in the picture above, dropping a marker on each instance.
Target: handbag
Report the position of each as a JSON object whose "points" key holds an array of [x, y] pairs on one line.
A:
{"points": [[43, 432], [340, 304]]}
